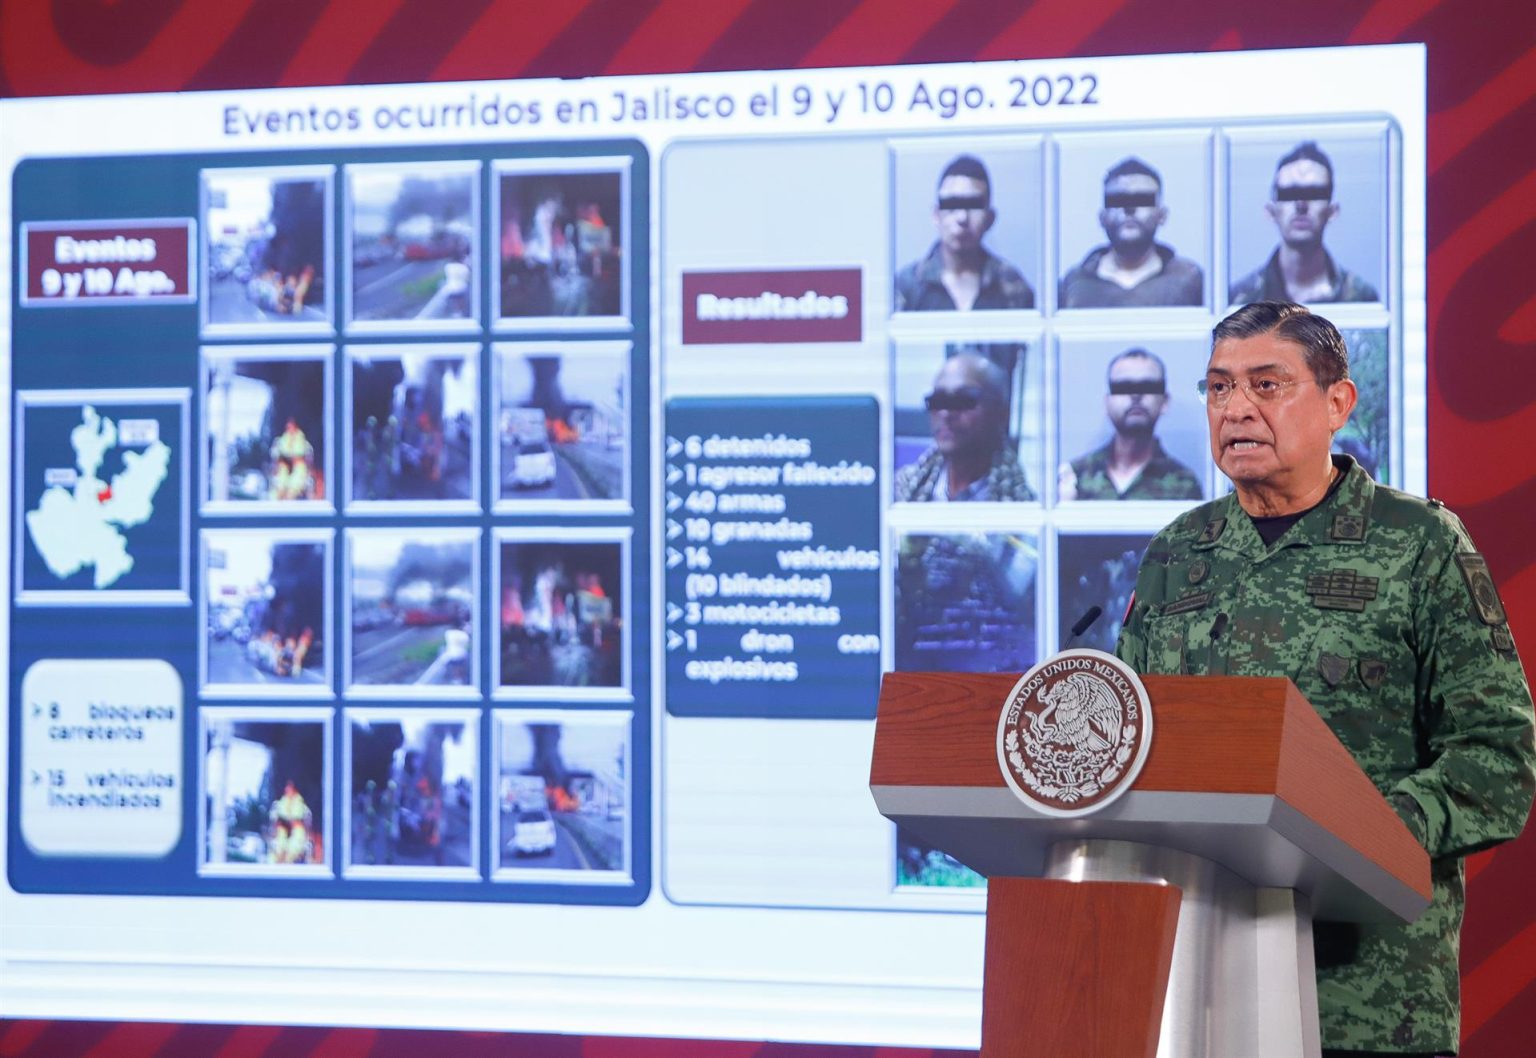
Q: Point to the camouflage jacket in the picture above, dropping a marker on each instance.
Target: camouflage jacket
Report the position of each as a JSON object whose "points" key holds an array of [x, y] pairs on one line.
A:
{"points": [[919, 482], [1163, 478], [1376, 605], [1267, 283]]}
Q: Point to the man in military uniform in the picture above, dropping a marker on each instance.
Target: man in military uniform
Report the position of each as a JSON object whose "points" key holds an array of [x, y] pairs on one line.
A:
{"points": [[958, 272], [1301, 269], [1132, 464], [1377, 606]]}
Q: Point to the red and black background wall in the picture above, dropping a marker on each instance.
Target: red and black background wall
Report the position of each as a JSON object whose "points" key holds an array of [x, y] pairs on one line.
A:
{"points": [[1481, 305]]}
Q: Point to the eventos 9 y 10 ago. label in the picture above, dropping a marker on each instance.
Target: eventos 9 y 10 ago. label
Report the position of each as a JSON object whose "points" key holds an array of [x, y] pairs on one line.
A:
{"points": [[107, 262]]}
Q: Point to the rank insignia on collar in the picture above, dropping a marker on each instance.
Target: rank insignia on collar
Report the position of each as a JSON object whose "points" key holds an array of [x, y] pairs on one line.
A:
{"points": [[1347, 527], [1212, 531], [1342, 589], [1502, 640], [1373, 672], [1198, 570], [1485, 597], [1333, 668]]}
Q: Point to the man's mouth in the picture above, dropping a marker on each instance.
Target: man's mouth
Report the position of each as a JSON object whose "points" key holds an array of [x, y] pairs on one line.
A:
{"points": [[1243, 445]]}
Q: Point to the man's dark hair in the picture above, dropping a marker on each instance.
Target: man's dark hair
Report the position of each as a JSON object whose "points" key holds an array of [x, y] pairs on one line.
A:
{"points": [[967, 165], [1137, 353], [1133, 167], [1320, 341], [1307, 151]]}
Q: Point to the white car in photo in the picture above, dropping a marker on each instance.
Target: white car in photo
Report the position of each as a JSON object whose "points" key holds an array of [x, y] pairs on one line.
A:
{"points": [[533, 465], [533, 831]]}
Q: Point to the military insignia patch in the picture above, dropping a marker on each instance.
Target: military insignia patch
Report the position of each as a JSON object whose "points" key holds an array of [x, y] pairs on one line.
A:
{"points": [[1502, 640], [1333, 668], [1342, 589], [1373, 672], [1198, 570], [1474, 570], [1212, 531], [1188, 604], [1348, 527]]}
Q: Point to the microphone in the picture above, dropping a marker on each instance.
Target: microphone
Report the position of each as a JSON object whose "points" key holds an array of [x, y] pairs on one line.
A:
{"points": [[1218, 626], [1085, 622]]}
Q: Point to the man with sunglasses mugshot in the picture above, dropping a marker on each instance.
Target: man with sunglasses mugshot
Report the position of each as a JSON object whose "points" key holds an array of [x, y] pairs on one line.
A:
{"points": [[958, 273], [1132, 269], [1378, 607], [1132, 465], [972, 458], [1301, 205]]}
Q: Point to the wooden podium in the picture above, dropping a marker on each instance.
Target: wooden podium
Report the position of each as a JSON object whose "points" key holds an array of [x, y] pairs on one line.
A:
{"points": [[1176, 921]]}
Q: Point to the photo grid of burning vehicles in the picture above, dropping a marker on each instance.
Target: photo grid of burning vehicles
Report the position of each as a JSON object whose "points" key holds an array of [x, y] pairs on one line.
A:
{"points": [[362, 372]]}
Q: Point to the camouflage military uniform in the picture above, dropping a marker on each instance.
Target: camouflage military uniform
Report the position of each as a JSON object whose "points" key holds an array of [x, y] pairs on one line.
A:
{"points": [[1376, 605], [1163, 478], [1267, 283], [920, 482]]}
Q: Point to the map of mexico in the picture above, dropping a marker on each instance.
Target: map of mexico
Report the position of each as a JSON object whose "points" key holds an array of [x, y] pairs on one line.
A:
{"points": [[74, 528]]}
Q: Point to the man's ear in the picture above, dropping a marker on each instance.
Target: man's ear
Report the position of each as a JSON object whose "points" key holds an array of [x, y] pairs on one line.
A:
{"points": [[1342, 397]]}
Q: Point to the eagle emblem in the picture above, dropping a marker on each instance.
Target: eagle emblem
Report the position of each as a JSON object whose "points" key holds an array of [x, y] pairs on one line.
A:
{"points": [[1074, 732]]}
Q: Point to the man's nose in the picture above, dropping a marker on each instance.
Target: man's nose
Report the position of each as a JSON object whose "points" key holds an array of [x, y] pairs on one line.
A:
{"points": [[1240, 405]]}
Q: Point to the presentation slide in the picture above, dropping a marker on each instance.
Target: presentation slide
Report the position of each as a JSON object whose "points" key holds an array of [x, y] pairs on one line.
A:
{"points": [[457, 530]]}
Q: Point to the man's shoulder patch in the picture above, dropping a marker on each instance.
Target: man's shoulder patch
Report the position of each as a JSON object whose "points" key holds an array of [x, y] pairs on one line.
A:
{"points": [[1485, 597]]}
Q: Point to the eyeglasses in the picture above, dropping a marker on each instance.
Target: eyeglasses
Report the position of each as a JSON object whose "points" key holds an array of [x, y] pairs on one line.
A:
{"points": [[967, 398], [1263, 390]]}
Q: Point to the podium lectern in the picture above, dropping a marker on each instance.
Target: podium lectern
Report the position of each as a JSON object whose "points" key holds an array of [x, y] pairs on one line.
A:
{"points": [[1176, 921]]}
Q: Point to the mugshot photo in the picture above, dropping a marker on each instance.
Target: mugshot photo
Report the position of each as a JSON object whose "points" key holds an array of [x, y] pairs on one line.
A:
{"points": [[560, 609], [562, 796], [410, 611], [562, 425], [265, 413], [265, 792], [968, 419], [412, 789], [1307, 215], [266, 251], [965, 601], [1131, 423], [1134, 220], [412, 230], [561, 239], [1095, 569], [266, 612], [966, 226], [413, 413]]}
